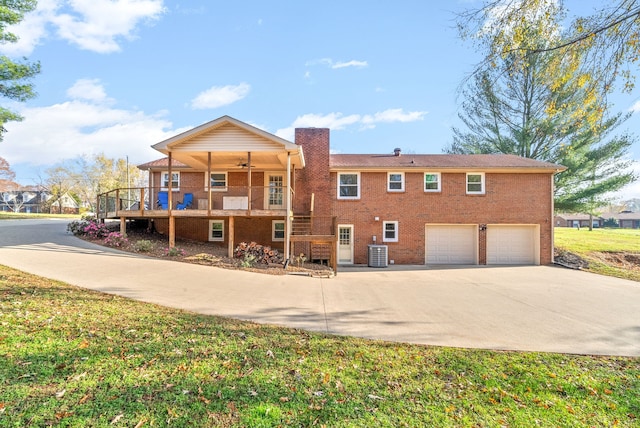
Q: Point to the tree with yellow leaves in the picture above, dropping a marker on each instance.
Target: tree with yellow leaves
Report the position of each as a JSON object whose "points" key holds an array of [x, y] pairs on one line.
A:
{"points": [[539, 103]]}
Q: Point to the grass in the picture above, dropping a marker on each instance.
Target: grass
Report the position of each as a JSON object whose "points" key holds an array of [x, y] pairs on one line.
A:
{"points": [[76, 358], [591, 245]]}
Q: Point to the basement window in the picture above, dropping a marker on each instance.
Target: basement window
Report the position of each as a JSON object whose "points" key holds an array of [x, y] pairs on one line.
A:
{"points": [[216, 230], [277, 230], [390, 231]]}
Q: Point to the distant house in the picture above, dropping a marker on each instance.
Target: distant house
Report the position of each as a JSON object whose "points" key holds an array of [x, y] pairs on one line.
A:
{"points": [[227, 182], [36, 201], [576, 220], [625, 219]]}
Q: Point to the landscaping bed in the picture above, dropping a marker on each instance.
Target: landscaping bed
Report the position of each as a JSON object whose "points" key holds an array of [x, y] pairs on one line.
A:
{"points": [[154, 244]]}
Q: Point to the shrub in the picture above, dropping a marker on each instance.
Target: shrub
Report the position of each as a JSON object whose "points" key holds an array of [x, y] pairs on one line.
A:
{"points": [[173, 252], [248, 260], [90, 227], [115, 239], [143, 246]]}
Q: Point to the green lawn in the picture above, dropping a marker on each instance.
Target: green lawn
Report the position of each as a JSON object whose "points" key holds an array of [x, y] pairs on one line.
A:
{"points": [[76, 358], [592, 245]]}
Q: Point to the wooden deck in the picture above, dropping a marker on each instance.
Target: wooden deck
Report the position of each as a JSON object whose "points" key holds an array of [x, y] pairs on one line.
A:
{"points": [[193, 213]]}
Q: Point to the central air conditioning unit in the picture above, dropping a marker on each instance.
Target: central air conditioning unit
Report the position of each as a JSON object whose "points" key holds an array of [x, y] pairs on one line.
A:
{"points": [[378, 256]]}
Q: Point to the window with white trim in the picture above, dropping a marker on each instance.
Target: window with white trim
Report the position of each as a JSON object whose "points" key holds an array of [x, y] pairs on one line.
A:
{"points": [[277, 230], [390, 231], [348, 185], [432, 182], [175, 181], [475, 183], [217, 182], [216, 230], [395, 182]]}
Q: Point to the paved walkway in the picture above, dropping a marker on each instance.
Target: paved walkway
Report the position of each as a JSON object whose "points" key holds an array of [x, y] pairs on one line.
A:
{"points": [[537, 308]]}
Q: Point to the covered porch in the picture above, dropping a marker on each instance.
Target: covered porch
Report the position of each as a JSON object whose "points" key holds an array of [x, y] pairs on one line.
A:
{"points": [[222, 171]]}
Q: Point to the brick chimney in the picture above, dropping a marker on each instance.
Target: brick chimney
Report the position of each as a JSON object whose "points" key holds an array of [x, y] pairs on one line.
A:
{"points": [[315, 177]]}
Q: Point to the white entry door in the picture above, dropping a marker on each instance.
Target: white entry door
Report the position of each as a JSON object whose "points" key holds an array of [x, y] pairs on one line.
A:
{"points": [[345, 244], [274, 191]]}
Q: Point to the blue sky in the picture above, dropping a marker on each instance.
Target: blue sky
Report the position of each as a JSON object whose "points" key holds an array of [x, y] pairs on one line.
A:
{"points": [[121, 75]]}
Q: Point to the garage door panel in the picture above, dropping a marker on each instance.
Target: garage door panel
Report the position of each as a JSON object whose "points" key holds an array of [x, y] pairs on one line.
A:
{"points": [[451, 244], [511, 245]]}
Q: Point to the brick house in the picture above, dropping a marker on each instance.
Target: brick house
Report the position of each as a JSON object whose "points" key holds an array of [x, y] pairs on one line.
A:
{"points": [[344, 208]]}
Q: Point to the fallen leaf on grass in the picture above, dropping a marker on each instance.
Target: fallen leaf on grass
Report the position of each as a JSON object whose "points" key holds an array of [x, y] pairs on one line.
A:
{"points": [[60, 394], [62, 415], [375, 397], [142, 422], [117, 418], [84, 344]]}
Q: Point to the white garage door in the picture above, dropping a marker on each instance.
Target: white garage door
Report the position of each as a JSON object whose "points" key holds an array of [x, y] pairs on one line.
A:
{"points": [[451, 244], [512, 245]]}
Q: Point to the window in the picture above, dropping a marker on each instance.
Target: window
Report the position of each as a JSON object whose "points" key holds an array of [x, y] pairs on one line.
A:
{"points": [[175, 181], [216, 230], [277, 230], [395, 182], [390, 232], [431, 181], [475, 183], [218, 181], [348, 185]]}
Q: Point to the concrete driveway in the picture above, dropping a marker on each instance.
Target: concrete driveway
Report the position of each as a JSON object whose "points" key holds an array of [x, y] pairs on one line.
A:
{"points": [[538, 308]]}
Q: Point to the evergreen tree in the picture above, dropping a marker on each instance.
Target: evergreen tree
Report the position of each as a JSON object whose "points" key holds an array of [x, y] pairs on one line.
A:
{"points": [[15, 76]]}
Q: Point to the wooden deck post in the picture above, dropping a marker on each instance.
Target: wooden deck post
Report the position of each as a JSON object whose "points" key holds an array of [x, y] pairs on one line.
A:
{"points": [[123, 226], [230, 239], [172, 231], [249, 197], [287, 219], [208, 184]]}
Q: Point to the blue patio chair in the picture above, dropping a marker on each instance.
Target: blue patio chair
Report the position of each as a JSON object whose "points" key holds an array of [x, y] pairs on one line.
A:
{"points": [[163, 200], [186, 203]]}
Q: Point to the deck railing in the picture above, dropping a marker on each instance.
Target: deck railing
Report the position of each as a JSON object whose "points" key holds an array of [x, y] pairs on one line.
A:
{"points": [[227, 198]]}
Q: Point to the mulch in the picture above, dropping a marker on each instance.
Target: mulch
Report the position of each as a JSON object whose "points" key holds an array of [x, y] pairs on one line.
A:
{"points": [[209, 254]]}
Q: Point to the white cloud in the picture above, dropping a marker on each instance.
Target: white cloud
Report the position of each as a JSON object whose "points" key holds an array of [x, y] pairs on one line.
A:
{"points": [[352, 63], [218, 96], [336, 65], [87, 89], [95, 25], [84, 126], [337, 121], [31, 30], [635, 108]]}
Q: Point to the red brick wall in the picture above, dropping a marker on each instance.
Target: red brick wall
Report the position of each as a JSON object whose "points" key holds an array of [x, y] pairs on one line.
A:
{"points": [[247, 229], [315, 177], [509, 199]]}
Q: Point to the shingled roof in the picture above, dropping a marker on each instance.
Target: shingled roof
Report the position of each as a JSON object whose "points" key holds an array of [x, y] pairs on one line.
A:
{"points": [[438, 161], [162, 163]]}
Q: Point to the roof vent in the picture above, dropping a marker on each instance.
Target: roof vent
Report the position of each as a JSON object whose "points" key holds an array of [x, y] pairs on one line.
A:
{"points": [[397, 151]]}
